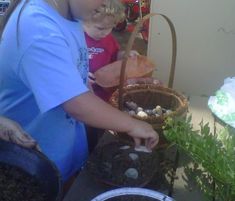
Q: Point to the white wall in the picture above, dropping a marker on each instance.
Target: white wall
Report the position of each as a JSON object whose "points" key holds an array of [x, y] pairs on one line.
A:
{"points": [[206, 43]]}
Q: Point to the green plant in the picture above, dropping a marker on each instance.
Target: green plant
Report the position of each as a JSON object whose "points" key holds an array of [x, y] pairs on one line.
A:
{"points": [[214, 152]]}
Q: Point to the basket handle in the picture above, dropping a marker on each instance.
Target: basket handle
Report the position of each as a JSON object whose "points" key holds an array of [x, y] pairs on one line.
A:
{"points": [[129, 47]]}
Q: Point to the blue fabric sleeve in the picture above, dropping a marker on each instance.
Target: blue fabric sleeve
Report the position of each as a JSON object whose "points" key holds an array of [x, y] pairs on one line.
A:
{"points": [[48, 70]]}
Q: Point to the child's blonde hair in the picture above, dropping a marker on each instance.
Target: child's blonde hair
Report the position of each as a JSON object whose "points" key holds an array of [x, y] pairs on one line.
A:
{"points": [[110, 8]]}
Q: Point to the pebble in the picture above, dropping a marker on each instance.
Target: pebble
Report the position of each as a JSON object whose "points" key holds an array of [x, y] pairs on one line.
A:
{"points": [[142, 114], [149, 112], [168, 112], [131, 105], [159, 109], [132, 113], [157, 115], [154, 111], [133, 109], [142, 149], [139, 109], [132, 173], [125, 147], [133, 156]]}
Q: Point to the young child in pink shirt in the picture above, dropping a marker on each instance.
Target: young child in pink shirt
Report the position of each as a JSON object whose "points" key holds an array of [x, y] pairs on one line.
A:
{"points": [[103, 48]]}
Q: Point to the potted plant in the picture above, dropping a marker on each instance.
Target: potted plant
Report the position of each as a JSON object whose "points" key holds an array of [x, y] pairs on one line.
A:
{"points": [[214, 154]]}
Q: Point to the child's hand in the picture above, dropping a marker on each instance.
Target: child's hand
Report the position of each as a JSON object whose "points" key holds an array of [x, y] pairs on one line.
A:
{"points": [[12, 132], [142, 130], [91, 80]]}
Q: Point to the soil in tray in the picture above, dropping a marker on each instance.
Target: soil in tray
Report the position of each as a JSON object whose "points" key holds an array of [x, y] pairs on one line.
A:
{"points": [[132, 198], [109, 164], [17, 185]]}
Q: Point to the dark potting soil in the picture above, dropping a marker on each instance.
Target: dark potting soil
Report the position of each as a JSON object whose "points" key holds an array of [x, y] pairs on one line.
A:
{"points": [[109, 164], [132, 198], [17, 185]]}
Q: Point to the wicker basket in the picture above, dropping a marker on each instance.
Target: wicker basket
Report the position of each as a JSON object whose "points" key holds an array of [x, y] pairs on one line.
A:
{"points": [[150, 95]]}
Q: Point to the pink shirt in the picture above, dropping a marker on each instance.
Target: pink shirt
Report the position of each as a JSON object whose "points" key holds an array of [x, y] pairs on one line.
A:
{"points": [[101, 52]]}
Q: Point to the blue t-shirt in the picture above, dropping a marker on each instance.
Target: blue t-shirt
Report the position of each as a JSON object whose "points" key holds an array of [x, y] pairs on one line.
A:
{"points": [[46, 68]]}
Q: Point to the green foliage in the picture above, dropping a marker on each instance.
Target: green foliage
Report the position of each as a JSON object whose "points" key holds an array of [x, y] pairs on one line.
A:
{"points": [[214, 152]]}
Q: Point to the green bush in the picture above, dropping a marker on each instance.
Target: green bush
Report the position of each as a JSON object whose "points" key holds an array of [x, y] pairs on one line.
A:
{"points": [[214, 152]]}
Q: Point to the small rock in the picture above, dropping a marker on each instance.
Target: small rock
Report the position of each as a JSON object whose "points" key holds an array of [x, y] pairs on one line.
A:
{"points": [[133, 156], [131, 173], [131, 105], [149, 112], [142, 149], [142, 114], [125, 147], [159, 109], [157, 115], [154, 111], [168, 112], [139, 109], [132, 113]]}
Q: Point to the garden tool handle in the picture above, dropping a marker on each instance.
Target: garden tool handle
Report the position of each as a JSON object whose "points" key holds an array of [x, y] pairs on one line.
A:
{"points": [[129, 47]]}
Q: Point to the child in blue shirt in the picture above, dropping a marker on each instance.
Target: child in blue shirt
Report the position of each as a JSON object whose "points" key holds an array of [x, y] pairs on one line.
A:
{"points": [[43, 76]]}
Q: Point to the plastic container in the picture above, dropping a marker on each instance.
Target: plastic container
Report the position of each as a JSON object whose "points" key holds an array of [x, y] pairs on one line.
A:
{"points": [[132, 191]]}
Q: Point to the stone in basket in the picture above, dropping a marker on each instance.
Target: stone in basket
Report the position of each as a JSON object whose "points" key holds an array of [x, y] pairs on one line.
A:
{"points": [[109, 75], [147, 97], [151, 103]]}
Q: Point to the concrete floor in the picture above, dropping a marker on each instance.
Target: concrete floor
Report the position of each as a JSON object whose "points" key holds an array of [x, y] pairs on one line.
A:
{"points": [[199, 110]]}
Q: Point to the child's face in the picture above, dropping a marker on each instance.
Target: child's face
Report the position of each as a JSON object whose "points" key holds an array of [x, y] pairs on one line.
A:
{"points": [[99, 30]]}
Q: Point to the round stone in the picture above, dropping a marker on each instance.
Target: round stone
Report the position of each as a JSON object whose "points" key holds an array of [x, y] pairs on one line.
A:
{"points": [[133, 156], [132, 173]]}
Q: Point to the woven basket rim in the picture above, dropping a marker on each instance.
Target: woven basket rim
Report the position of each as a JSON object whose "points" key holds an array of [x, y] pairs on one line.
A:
{"points": [[180, 110]]}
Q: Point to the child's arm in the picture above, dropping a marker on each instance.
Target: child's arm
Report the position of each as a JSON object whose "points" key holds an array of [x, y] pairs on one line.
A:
{"points": [[95, 112]]}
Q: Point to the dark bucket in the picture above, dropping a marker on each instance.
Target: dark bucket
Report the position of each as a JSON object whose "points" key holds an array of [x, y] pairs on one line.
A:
{"points": [[35, 164]]}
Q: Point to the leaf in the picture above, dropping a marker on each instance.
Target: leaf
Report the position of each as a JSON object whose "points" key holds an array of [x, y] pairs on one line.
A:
{"points": [[214, 151]]}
